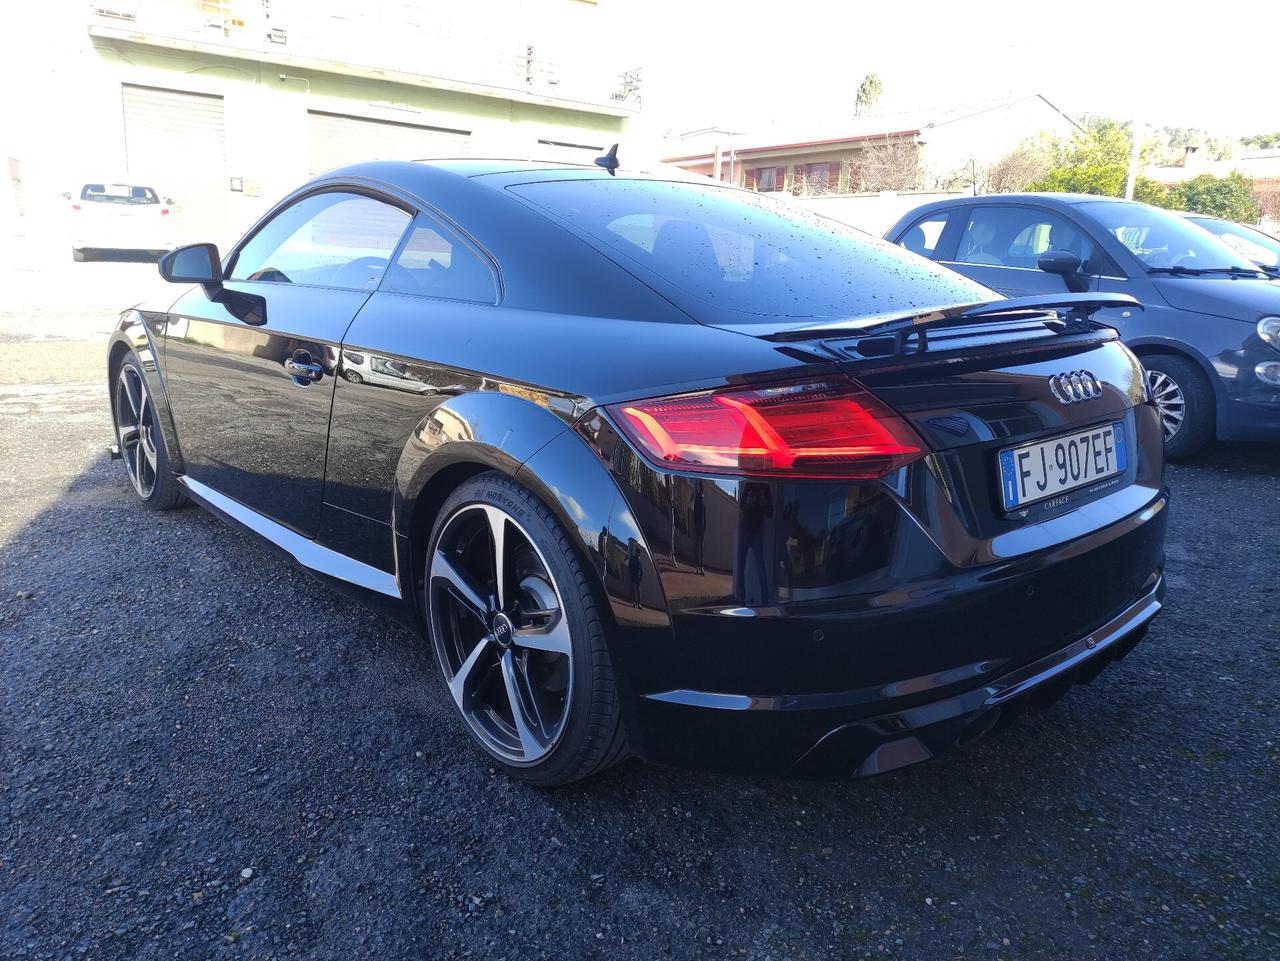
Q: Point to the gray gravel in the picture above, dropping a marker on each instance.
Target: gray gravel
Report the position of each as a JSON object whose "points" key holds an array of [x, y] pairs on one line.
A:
{"points": [[206, 754]]}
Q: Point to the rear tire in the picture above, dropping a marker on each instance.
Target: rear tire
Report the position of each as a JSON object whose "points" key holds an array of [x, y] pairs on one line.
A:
{"points": [[1184, 398], [141, 440], [524, 663]]}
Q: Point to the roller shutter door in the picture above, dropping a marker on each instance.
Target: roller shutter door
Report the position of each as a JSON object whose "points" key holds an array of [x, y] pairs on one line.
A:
{"points": [[337, 140], [175, 142]]}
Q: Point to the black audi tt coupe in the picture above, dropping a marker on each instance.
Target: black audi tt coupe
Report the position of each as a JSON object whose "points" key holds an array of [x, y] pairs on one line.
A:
{"points": [[661, 468]]}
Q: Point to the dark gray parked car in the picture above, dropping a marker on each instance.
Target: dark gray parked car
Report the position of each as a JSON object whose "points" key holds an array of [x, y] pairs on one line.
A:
{"points": [[1210, 334]]}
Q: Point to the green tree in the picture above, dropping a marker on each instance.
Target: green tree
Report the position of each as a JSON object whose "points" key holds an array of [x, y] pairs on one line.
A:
{"points": [[1230, 197], [1095, 160], [1262, 141], [1105, 180], [868, 93]]}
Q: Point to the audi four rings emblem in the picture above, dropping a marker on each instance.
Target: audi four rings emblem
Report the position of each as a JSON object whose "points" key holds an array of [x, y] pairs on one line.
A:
{"points": [[1074, 386]]}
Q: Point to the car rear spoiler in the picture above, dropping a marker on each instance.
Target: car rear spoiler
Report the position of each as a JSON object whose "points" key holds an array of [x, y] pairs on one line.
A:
{"points": [[888, 335]]}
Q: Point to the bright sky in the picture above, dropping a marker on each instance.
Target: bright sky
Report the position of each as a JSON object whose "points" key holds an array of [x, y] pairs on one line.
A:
{"points": [[739, 65]]}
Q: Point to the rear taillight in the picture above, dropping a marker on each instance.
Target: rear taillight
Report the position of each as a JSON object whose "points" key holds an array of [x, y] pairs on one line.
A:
{"points": [[164, 211], [75, 206], [829, 428]]}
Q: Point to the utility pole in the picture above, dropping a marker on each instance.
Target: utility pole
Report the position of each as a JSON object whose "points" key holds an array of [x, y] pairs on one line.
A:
{"points": [[1132, 179]]}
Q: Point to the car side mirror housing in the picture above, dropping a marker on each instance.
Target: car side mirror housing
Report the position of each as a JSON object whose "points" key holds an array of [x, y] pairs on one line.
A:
{"points": [[193, 264], [1066, 265]]}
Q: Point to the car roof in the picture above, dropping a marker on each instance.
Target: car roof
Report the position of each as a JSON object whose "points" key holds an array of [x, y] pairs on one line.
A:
{"points": [[501, 172], [1049, 199], [482, 166]]}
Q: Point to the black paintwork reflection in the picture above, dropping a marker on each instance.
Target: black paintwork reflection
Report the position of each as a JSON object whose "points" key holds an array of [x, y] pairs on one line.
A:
{"points": [[249, 428], [854, 577]]}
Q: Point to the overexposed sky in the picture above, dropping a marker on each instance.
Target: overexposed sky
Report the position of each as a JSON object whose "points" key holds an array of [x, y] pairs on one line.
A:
{"points": [[740, 65], [746, 64]]}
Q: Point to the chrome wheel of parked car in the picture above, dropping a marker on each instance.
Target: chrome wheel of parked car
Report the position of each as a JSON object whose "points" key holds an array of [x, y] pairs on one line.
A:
{"points": [[135, 426], [1184, 398], [501, 633], [1170, 401]]}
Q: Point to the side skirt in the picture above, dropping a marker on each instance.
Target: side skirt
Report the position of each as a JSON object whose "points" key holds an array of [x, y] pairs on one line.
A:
{"points": [[369, 585]]}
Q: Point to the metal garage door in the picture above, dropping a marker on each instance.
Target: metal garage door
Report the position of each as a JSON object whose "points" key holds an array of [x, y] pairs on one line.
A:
{"points": [[337, 139], [174, 142]]}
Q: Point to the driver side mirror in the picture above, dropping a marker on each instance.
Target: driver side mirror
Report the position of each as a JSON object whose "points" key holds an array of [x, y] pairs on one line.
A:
{"points": [[1067, 265], [193, 264]]}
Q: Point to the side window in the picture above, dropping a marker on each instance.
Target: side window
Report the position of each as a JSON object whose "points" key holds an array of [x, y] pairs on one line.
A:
{"points": [[923, 236], [327, 240], [1017, 236], [436, 264]]}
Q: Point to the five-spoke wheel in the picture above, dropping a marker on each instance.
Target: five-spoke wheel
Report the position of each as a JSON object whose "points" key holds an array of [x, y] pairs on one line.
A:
{"points": [[501, 633], [135, 425], [140, 439], [516, 635]]}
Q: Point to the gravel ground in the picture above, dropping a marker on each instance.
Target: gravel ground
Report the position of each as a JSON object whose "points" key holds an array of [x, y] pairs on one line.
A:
{"points": [[205, 754]]}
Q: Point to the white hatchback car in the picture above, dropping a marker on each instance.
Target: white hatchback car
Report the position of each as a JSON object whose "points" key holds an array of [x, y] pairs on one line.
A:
{"points": [[119, 216]]}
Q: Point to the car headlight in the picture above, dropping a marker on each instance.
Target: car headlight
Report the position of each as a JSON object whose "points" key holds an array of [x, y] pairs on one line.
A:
{"points": [[1269, 330]]}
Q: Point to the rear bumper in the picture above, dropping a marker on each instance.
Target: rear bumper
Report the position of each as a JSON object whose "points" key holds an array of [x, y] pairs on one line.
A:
{"points": [[898, 739], [865, 732]]}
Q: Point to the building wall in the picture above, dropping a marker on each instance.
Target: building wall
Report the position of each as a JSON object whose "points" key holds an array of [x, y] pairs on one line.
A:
{"points": [[74, 132], [265, 119], [792, 162]]}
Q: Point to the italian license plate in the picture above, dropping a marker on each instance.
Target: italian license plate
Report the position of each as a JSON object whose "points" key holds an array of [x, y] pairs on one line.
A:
{"points": [[1046, 468]]}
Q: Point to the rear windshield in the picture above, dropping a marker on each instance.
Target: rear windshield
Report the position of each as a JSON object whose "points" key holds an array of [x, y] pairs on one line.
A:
{"points": [[754, 255], [118, 194]]}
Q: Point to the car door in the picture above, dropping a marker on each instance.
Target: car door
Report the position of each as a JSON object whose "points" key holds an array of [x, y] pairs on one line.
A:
{"points": [[250, 364], [1000, 246]]}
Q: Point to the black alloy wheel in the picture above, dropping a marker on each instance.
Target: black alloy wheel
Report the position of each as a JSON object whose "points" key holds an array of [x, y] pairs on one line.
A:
{"points": [[140, 440], [516, 635]]}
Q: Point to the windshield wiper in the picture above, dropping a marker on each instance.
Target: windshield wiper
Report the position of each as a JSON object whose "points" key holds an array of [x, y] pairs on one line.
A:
{"points": [[1180, 271], [1234, 271]]}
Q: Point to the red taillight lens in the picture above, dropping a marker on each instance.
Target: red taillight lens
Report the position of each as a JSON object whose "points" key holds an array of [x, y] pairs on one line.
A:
{"points": [[812, 429], [75, 206], [164, 211]]}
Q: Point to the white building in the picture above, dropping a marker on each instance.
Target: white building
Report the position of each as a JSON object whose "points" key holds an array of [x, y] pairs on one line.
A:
{"points": [[225, 105]]}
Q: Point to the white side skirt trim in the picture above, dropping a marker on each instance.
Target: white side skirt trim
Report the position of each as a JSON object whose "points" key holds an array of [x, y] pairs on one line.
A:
{"points": [[308, 553]]}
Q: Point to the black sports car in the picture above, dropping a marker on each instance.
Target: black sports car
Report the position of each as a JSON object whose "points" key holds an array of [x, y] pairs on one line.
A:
{"points": [[661, 468]]}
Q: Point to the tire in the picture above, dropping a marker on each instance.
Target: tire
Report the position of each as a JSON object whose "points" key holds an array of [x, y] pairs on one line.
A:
{"points": [[1180, 388], [549, 654], [141, 441], [79, 254], [352, 376]]}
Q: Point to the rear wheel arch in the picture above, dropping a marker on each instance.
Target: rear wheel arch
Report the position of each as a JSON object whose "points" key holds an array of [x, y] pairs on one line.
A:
{"points": [[419, 517], [465, 436]]}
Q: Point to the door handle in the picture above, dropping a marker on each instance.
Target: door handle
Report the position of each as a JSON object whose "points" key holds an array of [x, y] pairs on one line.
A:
{"points": [[302, 369]]}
